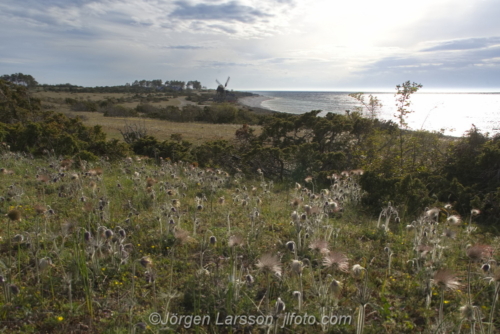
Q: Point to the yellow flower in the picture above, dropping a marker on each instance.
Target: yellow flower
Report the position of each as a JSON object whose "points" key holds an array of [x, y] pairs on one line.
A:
{"points": [[59, 318], [446, 301]]}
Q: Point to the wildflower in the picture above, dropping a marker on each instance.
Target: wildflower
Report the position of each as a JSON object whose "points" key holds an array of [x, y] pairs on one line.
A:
{"points": [[202, 272], [454, 220], [335, 286], [320, 245], [486, 267], [270, 263], [475, 212], [478, 252], [432, 213], [357, 270], [235, 241], [40, 209], [87, 236], [280, 306], [213, 240], [108, 234], [297, 267], [182, 235], [59, 318], [290, 245], [18, 238], [249, 279], [449, 233], [150, 182], [14, 215], [445, 279], [122, 233], [467, 312], [424, 250], [14, 289], [45, 263], [337, 260], [146, 261]]}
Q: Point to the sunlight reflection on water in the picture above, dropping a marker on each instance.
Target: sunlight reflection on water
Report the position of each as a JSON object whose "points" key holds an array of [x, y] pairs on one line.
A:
{"points": [[453, 112]]}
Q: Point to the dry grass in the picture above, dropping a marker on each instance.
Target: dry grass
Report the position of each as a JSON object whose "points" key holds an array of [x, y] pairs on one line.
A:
{"points": [[196, 133]]}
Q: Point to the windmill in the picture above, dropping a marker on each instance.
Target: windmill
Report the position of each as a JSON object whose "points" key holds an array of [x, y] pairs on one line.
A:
{"points": [[221, 90]]}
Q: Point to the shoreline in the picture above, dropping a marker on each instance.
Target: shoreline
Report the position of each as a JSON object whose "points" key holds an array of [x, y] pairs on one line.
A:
{"points": [[254, 103]]}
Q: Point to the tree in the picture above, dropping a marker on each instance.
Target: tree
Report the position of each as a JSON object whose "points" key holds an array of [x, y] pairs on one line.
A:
{"points": [[373, 105], [175, 84], [403, 94], [21, 79], [196, 84]]}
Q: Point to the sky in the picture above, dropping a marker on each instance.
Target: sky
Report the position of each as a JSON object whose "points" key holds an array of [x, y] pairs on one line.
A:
{"points": [[355, 45]]}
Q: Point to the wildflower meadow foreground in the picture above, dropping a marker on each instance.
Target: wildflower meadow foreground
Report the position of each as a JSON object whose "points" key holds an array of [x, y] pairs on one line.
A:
{"points": [[143, 246]]}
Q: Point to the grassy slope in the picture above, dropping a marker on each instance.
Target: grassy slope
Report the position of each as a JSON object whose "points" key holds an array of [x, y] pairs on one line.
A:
{"points": [[95, 287]]}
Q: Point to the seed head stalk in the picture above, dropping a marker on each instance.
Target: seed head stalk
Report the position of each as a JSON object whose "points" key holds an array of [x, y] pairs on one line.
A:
{"points": [[493, 305]]}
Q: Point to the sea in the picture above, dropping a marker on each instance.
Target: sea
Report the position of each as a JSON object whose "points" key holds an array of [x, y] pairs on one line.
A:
{"points": [[453, 114]]}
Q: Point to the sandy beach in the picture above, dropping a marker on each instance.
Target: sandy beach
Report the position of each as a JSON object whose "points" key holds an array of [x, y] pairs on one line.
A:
{"points": [[254, 101]]}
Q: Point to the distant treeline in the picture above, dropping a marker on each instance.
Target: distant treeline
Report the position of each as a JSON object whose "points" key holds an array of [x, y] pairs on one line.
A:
{"points": [[136, 86]]}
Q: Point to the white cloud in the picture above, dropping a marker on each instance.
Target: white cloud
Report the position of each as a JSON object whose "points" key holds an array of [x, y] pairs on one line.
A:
{"points": [[278, 43]]}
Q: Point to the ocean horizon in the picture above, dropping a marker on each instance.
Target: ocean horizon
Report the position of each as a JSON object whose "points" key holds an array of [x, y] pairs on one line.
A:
{"points": [[453, 113]]}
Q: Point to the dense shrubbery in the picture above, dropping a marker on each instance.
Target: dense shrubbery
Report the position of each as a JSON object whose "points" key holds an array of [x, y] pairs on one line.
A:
{"points": [[26, 127]]}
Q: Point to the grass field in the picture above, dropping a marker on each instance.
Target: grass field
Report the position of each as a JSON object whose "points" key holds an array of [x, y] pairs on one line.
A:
{"points": [[126, 247], [196, 133]]}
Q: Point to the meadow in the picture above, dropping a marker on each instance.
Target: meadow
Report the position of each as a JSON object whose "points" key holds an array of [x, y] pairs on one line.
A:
{"points": [[194, 132], [161, 247]]}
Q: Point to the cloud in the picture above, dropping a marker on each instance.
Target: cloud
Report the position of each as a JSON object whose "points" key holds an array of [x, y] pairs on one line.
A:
{"points": [[464, 44], [231, 11], [238, 18], [185, 47], [223, 64]]}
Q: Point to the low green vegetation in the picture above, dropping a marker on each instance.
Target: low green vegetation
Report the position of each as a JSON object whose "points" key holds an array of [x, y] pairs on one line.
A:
{"points": [[349, 222]]}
